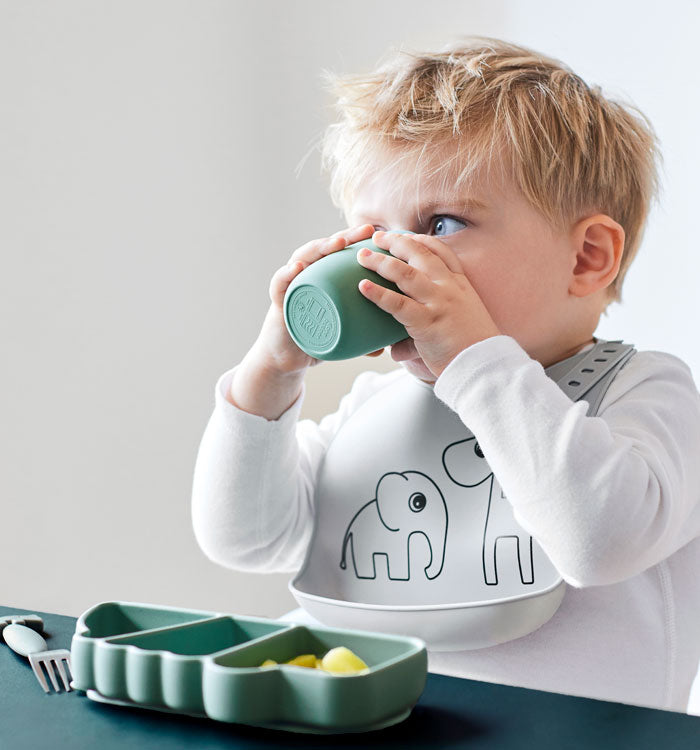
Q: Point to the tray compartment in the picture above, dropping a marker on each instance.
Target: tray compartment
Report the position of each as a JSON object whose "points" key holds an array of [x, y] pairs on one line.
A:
{"points": [[204, 637], [116, 618], [164, 667], [236, 688]]}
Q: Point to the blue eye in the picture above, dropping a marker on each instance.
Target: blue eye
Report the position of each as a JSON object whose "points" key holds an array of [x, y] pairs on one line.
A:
{"points": [[444, 225]]}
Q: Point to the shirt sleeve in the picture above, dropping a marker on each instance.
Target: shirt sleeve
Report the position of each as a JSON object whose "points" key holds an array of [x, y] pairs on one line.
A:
{"points": [[607, 496], [254, 478]]}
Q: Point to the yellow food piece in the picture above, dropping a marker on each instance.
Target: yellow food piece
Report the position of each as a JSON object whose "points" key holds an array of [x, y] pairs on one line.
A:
{"points": [[343, 660], [305, 660], [338, 660]]}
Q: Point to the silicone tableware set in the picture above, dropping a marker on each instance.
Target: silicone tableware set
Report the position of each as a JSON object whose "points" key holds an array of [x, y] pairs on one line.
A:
{"points": [[208, 664]]}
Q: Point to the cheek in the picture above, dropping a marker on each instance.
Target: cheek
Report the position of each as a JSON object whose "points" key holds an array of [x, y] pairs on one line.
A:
{"points": [[512, 271], [511, 287], [494, 278]]}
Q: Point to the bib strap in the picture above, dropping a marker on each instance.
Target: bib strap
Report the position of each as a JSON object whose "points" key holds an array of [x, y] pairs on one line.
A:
{"points": [[603, 361]]}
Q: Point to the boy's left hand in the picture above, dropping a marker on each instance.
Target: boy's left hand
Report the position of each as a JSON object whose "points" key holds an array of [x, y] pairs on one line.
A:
{"points": [[440, 309]]}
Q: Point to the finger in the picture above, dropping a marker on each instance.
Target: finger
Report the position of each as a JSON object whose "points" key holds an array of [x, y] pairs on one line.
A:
{"points": [[282, 278], [355, 234], [375, 354], [403, 308], [419, 247], [414, 254], [317, 249], [409, 279], [312, 251], [441, 248]]}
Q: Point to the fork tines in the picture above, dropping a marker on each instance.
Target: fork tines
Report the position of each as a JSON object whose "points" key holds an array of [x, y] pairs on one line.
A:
{"points": [[49, 659]]}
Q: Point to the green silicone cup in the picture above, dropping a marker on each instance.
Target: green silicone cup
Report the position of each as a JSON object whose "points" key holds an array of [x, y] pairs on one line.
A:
{"points": [[327, 315]]}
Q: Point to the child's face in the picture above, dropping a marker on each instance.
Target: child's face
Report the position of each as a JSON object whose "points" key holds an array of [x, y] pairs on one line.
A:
{"points": [[518, 264]]}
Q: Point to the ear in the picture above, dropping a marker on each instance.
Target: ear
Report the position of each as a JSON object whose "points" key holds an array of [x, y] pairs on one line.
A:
{"points": [[392, 499], [598, 242]]}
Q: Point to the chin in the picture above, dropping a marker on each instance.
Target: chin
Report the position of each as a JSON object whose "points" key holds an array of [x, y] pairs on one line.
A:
{"points": [[419, 369]]}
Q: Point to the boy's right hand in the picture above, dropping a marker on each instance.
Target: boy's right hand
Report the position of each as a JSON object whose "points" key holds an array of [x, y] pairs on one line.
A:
{"points": [[274, 345]]}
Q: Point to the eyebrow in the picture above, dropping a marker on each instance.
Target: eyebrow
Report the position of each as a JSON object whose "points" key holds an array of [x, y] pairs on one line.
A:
{"points": [[463, 204]]}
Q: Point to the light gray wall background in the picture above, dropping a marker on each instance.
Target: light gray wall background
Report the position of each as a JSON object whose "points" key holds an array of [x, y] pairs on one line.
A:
{"points": [[148, 191]]}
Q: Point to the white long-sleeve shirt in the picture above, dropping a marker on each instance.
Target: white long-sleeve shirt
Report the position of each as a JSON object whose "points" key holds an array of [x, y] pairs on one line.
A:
{"points": [[614, 501]]}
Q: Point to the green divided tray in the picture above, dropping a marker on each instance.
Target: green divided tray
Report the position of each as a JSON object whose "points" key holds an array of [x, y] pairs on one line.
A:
{"points": [[207, 664]]}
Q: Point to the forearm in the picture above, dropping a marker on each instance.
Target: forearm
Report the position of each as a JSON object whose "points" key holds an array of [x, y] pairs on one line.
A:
{"points": [[605, 497], [259, 389], [250, 509]]}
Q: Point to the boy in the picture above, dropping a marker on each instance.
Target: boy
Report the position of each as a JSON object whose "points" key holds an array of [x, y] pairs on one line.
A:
{"points": [[527, 192]]}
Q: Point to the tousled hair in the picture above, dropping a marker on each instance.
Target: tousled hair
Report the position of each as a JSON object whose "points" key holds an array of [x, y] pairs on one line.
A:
{"points": [[487, 103]]}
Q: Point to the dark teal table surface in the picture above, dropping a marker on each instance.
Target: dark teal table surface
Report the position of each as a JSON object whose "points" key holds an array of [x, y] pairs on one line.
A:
{"points": [[451, 713]]}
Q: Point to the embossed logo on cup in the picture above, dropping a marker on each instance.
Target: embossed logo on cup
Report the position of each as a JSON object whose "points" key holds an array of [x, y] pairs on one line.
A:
{"points": [[313, 317]]}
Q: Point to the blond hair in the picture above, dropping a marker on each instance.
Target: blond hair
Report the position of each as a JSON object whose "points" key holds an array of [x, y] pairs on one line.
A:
{"points": [[570, 150]]}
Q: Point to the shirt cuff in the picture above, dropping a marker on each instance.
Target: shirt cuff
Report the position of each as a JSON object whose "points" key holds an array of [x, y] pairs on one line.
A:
{"points": [[475, 362], [253, 425]]}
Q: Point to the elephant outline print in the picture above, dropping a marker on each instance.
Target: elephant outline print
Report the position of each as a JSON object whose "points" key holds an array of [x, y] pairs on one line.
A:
{"points": [[466, 466], [405, 504]]}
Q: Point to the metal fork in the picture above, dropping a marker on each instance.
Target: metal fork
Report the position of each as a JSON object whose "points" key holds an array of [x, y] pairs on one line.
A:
{"points": [[27, 642]]}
